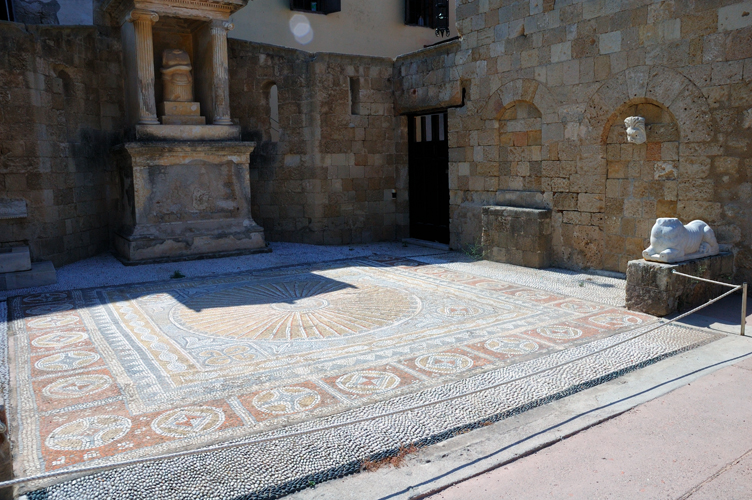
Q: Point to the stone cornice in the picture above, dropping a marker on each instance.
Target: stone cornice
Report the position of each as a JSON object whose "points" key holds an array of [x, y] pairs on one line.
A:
{"points": [[189, 9]]}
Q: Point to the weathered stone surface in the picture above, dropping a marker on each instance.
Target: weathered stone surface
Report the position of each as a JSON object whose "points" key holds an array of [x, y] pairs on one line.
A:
{"points": [[519, 236], [14, 259], [187, 132], [185, 200], [521, 199], [652, 287], [41, 274]]}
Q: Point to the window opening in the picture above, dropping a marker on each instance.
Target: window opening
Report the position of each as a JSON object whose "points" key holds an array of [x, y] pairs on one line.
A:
{"points": [[430, 13], [274, 113], [317, 6], [354, 95], [6, 10]]}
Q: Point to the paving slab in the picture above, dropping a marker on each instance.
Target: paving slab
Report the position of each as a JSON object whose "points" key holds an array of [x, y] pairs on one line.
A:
{"points": [[334, 364], [692, 443]]}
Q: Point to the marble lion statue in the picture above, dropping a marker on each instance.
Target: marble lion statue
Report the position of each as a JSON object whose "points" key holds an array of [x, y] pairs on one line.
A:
{"points": [[671, 241], [635, 129]]}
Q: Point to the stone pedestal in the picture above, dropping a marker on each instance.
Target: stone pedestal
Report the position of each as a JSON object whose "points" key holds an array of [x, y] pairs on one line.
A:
{"points": [[181, 113], [652, 287], [519, 236], [183, 200]]}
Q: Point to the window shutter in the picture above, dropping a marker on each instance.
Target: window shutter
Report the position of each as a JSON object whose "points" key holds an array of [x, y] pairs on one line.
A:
{"points": [[329, 6]]}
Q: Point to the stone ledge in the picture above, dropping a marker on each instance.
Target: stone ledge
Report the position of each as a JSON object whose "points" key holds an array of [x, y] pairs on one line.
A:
{"points": [[517, 212], [188, 132], [522, 199], [652, 287]]}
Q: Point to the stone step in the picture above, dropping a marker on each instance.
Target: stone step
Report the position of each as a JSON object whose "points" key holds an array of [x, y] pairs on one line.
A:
{"points": [[169, 108], [183, 120], [14, 259], [41, 273]]}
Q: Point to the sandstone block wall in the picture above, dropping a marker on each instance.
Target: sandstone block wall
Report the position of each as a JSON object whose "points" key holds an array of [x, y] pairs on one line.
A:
{"points": [[575, 69], [60, 111], [330, 177]]}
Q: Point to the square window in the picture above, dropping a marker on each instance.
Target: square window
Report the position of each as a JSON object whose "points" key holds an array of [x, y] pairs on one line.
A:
{"points": [[317, 6], [430, 13]]}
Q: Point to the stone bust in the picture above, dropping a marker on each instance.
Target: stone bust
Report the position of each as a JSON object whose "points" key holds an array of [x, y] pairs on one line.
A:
{"points": [[671, 241], [176, 75], [635, 129]]}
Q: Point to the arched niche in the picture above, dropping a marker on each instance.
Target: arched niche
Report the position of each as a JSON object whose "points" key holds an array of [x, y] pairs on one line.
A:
{"points": [[520, 147], [642, 179], [271, 117]]}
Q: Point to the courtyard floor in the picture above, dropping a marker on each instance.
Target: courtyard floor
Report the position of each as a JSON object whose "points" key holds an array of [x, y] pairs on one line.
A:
{"points": [[333, 356]]}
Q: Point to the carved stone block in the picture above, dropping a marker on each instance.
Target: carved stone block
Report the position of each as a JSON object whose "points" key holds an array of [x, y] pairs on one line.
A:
{"points": [[519, 236], [185, 200], [635, 129], [12, 209]]}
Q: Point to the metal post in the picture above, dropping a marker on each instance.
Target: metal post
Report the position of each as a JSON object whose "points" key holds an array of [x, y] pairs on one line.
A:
{"points": [[744, 307]]}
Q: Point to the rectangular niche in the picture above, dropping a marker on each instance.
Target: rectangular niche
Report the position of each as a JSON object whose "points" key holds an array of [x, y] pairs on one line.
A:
{"points": [[194, 37]]}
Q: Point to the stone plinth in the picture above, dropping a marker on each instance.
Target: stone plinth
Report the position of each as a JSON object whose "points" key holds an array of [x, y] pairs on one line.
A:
{"points": [[519, 236], [196, 133], [185, 200], [652, 287], [40, 274], [14, 259]]}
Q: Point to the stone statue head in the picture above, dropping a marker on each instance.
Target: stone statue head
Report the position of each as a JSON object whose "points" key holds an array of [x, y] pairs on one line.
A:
{"points": [[635, 129], [176, 75]]}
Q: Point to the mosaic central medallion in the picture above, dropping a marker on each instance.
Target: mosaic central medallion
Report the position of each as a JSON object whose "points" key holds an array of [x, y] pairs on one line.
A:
{"points": [[306, 309]]}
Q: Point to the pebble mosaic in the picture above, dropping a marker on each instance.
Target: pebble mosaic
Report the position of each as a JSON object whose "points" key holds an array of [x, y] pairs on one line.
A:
{"points": [[110, 374]]}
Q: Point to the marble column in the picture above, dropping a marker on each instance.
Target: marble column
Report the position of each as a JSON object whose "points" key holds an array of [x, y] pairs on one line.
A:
{"points": [[221, 83], [142, 22]]}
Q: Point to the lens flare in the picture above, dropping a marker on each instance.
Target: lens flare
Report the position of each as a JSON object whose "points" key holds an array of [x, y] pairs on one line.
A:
{"points": [[301, 29]]}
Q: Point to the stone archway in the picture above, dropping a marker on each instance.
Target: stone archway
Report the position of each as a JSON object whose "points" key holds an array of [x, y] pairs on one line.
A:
{"points": [[521, 107]]}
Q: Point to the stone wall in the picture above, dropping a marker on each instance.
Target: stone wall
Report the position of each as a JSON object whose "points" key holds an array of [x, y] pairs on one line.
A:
{"points": [[329, 178], [578, 68], [60, 112]]}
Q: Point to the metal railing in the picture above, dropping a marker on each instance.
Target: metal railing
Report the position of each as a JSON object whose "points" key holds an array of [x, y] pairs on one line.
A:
{"points": [[742, 287]]}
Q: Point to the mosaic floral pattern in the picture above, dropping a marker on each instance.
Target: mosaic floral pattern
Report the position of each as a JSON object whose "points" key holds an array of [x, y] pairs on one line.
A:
{"points": [[136, 370]]}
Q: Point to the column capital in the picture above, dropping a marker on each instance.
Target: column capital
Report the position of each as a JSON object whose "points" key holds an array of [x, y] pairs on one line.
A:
{"points": [[142, 15], [219, 25]]}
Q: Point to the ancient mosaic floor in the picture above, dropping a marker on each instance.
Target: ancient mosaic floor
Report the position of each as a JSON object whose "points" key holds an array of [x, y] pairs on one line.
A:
{"points": [[122, 372]]}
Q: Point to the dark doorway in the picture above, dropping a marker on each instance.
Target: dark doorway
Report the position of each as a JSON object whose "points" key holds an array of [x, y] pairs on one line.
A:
{"points": [[428, 158]]}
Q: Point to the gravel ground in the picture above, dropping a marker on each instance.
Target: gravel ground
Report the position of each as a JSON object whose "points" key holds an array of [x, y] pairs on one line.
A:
{"points": [[105, 269]]}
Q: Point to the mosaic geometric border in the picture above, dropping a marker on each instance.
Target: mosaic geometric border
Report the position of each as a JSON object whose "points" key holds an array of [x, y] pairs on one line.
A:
{"points": [[246, 472]]}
